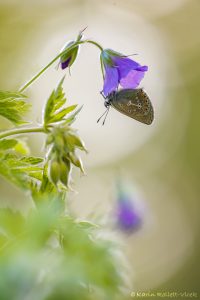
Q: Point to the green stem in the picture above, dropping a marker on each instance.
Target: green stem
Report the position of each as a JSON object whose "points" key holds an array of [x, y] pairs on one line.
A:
{"points": [[24, 87], [101, 49], [94, 43], [21, 130]]}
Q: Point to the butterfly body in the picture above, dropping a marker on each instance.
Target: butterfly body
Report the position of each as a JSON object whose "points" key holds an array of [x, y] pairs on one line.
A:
{"points": [[133, 103]]}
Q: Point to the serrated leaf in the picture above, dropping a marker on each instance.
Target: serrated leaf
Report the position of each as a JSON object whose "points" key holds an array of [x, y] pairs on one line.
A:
{"points": [[6, 95], [56, 101], [31, 160], [72, 117], [59, 94], [20, 171], [15, 161], [87, 225], [37, 175], [22, 148], [54, 111], [6, 144], [14, 144], [61, 114], [13, 106]]}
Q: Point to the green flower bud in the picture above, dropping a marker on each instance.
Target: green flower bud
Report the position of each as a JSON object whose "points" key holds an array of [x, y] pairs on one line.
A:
{"points": [[76, 141], [65, 172], [49, 139], [59, 142], [67, 59], [76, 161], [54, 171]]}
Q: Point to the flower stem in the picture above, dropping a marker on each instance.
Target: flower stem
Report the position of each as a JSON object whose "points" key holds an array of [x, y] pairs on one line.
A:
{"points": [[21, 130], [94, 43], [26, 85]]}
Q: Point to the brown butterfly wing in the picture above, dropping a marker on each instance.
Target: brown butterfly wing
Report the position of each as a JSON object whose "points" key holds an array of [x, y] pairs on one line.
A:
{"points": [[135, 104]]}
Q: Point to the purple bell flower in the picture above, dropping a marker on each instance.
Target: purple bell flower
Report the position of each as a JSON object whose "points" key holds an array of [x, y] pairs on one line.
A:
{"points": [[120, 70], [127, 216]]}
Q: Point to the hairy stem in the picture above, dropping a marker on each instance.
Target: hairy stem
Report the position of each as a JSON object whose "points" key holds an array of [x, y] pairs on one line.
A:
{"points": [[21, 130], [26, 85], [94, 43]]}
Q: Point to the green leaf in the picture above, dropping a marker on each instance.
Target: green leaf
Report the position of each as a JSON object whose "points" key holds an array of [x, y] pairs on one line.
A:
{"points": [[13, 107], [72, 117], [36, 174], [6, 144], [46, 189], [14, 161], [14, 144], [11, 221], [6, 95], [61, 114], [31, 160], [22, 148], [87, 225], [56, 101], [54, 110], [20, 171]]}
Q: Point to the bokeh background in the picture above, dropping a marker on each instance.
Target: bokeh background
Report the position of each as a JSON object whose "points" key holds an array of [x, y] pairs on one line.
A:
{"points": [[162, 161]]}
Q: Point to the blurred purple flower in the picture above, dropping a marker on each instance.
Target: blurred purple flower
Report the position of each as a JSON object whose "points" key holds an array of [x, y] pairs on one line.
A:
{"points": [[128, 218], [119, 69]]}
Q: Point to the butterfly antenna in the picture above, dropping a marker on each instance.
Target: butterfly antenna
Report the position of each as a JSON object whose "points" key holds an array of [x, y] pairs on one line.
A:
{"points": [[102, 116], [102, 95], [106, 115]]}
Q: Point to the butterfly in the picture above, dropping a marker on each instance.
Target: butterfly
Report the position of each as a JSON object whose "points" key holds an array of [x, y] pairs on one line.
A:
{"points": [[133, 103]]}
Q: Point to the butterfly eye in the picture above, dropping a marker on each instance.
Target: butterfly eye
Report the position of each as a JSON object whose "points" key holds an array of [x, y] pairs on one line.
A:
{"points": [[106, 104]]}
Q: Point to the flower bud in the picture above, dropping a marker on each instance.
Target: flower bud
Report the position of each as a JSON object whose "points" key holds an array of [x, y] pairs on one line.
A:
{"points": [[75, 140], [49, 139], [64, 172], [59, 142], [76, 161], [68, 58], [54, 171]]}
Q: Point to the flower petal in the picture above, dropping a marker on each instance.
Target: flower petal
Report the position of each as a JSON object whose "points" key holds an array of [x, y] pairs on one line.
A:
{"points": [[132, 80], [111, 80], [142, 68], [125, 65], [128, 218], [65, 64]]}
